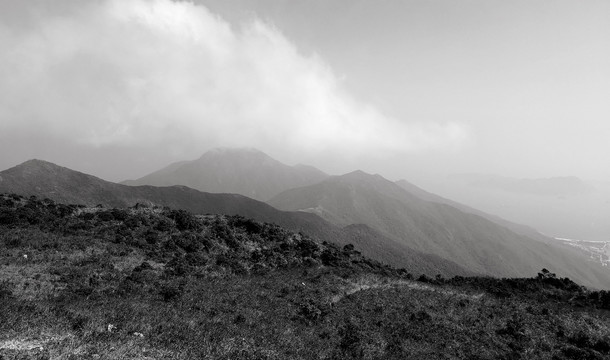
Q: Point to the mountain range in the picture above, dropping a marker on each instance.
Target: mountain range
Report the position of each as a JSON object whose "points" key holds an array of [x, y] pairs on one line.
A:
{"points": [[390, 222], [47, 180]]}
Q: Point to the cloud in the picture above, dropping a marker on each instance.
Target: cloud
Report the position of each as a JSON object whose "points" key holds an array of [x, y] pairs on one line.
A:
{"points": [[175, 77]]}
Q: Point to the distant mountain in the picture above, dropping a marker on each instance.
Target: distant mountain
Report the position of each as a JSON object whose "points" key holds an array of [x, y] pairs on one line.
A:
{"points": [[248, 172], [470, 240], [44, 179]]}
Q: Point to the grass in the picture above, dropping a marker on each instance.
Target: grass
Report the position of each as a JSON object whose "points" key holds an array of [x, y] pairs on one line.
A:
{"points": [[153, 283]]}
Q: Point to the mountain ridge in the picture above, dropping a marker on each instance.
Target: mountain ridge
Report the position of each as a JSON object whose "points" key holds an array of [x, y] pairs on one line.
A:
{"points": [[45, 179], [470, 240]]}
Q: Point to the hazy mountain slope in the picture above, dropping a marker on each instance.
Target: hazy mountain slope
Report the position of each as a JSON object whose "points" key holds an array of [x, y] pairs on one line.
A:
{"points": [[428, 196], [247, 172], [44, 179], [554, 186], [558, 207], [469, 240]]}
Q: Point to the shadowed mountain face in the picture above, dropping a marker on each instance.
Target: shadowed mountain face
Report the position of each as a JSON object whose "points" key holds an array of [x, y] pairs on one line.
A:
{"points": [[44, 179], [247, 172], [470, 240]]}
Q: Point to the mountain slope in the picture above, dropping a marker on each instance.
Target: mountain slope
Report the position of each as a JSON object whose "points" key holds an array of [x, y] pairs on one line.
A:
{"points": [[471, 241], [247, 172], [428, 196], [44, 179], [558, 207]]}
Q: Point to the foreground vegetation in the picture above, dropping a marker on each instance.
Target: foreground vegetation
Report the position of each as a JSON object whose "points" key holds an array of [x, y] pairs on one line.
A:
{"points": [[157, 283]]}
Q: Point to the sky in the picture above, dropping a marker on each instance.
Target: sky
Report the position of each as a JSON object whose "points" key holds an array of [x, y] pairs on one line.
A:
{"points": [[408, 89]]}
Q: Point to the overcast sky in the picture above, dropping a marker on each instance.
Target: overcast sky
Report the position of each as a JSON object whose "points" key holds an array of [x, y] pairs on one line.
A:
{"points": [[402, 88]]}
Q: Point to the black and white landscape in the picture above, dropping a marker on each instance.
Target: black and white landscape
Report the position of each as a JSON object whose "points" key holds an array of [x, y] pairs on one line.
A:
{"points": [[267, 179]]}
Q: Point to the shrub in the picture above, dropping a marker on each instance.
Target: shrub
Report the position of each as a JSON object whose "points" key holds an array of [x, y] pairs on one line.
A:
{"points": [[350, 345], [171, 291], [251, 226], [184, 220], [5, 290], [329, 258], [163, 225], [310, 311], [105, 216], [8, 217]]}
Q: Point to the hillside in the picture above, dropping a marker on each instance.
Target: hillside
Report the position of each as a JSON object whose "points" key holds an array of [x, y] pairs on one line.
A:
{"points": [[471, 241], [156, 283], [44, 179], [247, 172]]}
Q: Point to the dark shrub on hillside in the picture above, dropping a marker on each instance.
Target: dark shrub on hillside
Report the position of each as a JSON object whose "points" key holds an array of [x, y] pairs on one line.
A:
{"points": [[350, 345], [329, 258], [119, 214], [6, 201], [163, 225], [308, 248], [184, 220], [190, 241], [251, 226], [105, 215], [87, 216], [349, 248], [177, 266], [196, 259], [143, 274], [5, 291], [311, 311], [62, 210], [28, 214], [171, 291], [151, 237], [8, 217], [231, 263]]}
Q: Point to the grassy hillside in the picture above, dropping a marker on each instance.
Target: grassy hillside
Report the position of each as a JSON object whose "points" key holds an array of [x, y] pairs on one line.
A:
{"points": [[155, 283]]}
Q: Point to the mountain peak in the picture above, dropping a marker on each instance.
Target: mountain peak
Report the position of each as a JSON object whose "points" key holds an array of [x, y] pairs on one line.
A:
{"points": [[36, 166], [361, 176], [245, 171], [233, 150], [36, 162]]}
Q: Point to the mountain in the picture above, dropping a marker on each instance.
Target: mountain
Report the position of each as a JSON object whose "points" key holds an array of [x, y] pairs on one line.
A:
{"points": [[248, 172], [47, 180], [470, 240]]}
